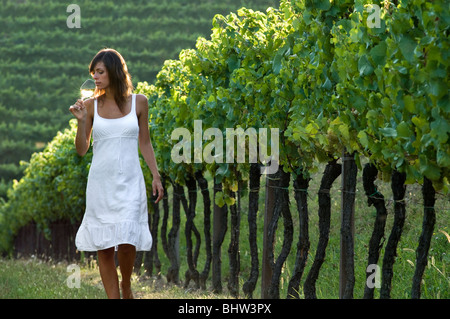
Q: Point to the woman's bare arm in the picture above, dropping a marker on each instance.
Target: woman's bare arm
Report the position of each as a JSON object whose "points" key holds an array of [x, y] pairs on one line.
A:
{"points": [[146, 146]]}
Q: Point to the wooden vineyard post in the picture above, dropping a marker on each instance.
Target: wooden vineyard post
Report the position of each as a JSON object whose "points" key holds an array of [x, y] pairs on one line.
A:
{"points": [[346, 265], [266, 274], [219, 230]]}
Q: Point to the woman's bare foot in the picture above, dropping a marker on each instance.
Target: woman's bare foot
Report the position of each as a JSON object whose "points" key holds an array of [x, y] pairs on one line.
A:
{"points": [[126, 291]]}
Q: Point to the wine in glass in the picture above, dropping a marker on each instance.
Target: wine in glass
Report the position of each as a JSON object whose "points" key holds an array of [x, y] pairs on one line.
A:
{"points": [[87, 89]]}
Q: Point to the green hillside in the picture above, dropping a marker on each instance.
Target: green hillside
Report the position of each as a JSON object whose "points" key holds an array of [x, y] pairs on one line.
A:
{"points": [[43, 61]]}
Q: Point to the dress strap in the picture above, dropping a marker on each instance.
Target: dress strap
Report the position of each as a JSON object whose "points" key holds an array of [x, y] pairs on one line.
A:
{"points": [[95, 108], [95, 116]]}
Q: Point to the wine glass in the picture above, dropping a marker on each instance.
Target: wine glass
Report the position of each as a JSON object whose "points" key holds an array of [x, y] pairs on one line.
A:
{"points": [[87, 89]]}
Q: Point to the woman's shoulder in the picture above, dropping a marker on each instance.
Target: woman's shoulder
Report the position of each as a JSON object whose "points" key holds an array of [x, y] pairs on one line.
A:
{"points": [[141, 104], [89, 102], [141, 101], [141, 98]]}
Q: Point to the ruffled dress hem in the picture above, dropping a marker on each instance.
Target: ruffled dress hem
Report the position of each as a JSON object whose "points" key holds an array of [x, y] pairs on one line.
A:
{"points": [[95, 237]]}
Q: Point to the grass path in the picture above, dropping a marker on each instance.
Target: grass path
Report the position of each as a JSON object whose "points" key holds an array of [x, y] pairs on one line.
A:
{"points": [[35, 279]]}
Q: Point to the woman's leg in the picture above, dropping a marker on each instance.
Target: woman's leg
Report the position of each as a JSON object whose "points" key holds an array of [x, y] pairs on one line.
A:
{"points": [[126, 255], [108, 272]]}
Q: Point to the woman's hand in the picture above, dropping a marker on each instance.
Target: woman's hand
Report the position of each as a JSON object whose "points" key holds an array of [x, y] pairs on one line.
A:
{"points": [[157, 188], [79, 110]]}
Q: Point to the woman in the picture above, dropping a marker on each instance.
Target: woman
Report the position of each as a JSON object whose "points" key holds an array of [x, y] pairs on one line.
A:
{"points": [[116, 203]]}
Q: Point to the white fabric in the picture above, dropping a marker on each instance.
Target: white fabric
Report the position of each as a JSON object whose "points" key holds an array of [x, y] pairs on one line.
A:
{"points": [[116, 199]]}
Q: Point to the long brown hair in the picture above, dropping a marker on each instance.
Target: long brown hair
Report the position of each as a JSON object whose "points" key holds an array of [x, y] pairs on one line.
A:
{"points": [[119, 78]]}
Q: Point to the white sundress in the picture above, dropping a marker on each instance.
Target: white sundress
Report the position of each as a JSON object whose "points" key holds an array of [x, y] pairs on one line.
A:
{"points": [[116, 200]]}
